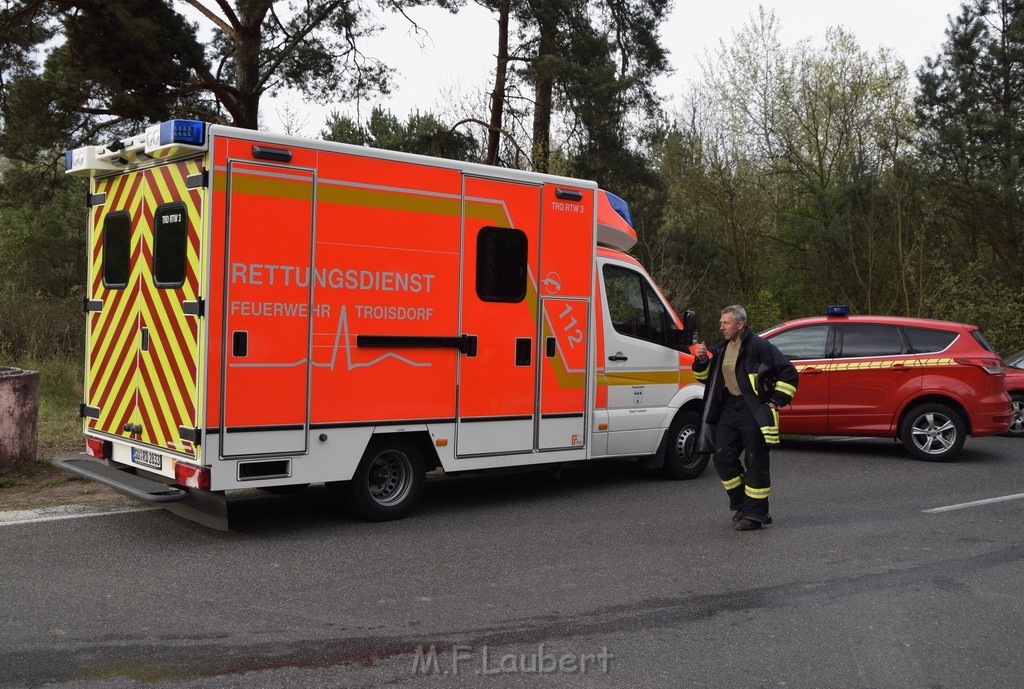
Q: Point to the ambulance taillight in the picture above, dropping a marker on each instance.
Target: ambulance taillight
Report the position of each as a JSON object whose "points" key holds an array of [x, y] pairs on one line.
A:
{"points": [[99, 449], [191, 476]]}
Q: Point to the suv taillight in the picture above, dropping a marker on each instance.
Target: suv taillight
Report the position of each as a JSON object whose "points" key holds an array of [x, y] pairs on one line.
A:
{"points": [[990, 366]]}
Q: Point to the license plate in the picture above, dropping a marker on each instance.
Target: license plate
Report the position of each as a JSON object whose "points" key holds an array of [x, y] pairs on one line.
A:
{"points": [[154, 460]]}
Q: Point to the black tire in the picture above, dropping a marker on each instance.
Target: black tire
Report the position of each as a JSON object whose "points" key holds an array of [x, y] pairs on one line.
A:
{"points": [[389, 481], [680, 460], [1016, 429], [933, 432]]}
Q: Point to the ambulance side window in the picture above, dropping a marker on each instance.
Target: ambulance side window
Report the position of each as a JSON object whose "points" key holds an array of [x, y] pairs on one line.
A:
{"points": [[634, 306], [170, 250], [117, 249], [501, 264]]}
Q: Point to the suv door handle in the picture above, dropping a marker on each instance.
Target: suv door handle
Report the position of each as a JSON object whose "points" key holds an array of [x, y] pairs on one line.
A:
{"points": [[811, 371], [618, 357], [900, 367]]}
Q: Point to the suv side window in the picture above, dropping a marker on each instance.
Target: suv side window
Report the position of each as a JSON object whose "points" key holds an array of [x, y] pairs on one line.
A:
{"points": [[634, 306], [869, 339], [927, 340], [807, 342]]}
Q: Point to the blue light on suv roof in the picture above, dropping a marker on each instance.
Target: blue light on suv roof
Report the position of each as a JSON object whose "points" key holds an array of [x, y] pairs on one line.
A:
{"points": [[837, 310], [189, 132]]}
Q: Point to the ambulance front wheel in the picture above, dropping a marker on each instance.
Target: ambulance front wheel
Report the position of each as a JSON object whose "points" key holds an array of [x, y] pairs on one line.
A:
{"points": [[389, 481], [681, 460]]}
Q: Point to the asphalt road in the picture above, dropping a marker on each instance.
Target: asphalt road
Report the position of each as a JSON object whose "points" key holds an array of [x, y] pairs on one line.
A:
{"points": [[605, 577]]}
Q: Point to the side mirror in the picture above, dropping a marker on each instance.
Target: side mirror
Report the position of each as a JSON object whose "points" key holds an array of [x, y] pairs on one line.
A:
{"points": [[681, 340]]}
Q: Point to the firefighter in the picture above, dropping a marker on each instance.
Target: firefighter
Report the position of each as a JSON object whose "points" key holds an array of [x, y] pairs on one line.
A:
{"points": [[747, 380]]}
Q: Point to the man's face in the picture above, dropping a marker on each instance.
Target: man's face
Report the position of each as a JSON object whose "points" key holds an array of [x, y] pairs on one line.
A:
{"points": [[730, 327]]}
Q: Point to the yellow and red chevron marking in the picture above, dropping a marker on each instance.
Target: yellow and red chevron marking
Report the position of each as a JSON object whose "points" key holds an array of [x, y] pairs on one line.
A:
{"points": [[113, 332], [156, 388], [884, 363], [168, 371]]}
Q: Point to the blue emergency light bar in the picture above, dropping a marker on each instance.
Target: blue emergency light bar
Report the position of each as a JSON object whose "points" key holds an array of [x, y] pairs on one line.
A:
{"points": [[837, 310], [620, 207], [188, 132]]}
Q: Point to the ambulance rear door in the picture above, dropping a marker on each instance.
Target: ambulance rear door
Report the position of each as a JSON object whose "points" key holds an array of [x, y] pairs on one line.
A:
{"points": [[143, 325]]}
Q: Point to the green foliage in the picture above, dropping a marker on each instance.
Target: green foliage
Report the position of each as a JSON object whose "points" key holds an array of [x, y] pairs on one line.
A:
{"points": [[791, 180], [971, 112], [420, 133], [42, 232], [113, 66], [973, 294], [591, 65]]}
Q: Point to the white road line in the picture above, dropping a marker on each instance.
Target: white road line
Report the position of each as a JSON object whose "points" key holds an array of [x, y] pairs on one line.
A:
{"points": [[51, 514], [964, 505]]}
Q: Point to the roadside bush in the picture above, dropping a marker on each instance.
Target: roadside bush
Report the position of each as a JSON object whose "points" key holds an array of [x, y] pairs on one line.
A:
{"points": [[972, 296], [46, 334]]}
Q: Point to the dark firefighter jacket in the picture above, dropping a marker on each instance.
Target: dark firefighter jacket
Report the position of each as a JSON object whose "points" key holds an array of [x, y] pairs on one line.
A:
{"points": [[764, 375]]}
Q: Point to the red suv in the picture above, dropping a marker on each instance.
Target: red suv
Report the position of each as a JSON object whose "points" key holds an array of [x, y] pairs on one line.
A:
{"points": [[927, 383], [1015, 386]]}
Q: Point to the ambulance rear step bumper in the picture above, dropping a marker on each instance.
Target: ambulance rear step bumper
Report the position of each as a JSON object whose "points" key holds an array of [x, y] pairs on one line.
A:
{"points": [[138, 487], [202, 506]]}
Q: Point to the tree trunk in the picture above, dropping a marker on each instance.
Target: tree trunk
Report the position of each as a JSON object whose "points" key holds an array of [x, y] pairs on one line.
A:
{"points": [[543, 97], [498, 95], [247, 66]]}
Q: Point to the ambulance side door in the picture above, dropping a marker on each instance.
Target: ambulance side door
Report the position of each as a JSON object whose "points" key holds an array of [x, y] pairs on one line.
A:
{"points": [[268, 301], [497, 379]]}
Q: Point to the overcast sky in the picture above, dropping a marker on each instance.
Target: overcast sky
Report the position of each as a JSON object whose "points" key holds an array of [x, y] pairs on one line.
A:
{"points": [[454, 60]]}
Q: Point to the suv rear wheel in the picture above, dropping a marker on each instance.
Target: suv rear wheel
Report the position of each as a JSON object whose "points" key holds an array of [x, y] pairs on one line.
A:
{"points": [[932, 432], [1016, 429]]}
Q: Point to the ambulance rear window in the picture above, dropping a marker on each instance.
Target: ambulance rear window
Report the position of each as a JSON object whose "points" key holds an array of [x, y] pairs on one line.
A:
{"points": [[170, 245], [117, 249], [501, 264]]}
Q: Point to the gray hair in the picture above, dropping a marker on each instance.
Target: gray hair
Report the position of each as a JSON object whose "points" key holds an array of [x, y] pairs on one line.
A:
{"points": [[737, 311]]}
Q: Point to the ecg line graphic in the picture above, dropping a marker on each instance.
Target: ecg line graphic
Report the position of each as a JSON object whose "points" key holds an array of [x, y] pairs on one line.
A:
{"points": [[338, 335]]}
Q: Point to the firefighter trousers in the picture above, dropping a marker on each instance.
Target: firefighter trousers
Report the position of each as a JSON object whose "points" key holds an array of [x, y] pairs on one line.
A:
{"points": [[738, 433]]}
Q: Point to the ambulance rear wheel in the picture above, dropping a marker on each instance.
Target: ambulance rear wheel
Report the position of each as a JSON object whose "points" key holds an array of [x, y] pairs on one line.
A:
{"points": [[389, 481], [681, 460]]}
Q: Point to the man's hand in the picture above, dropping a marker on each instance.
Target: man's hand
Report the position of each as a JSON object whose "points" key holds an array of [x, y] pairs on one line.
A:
{"points": [[702, 352]]}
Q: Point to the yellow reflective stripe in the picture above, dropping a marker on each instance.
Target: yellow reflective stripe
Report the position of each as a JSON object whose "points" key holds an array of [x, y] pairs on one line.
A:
{"points": [[753, 381], [771, 433], [785, 388], [733, 482], [757, 493], [883, 363], [701, 375]]}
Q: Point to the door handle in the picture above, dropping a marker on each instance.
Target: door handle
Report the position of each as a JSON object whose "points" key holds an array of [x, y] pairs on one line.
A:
{"points": [[900, 367], [240, 343], [145, 339], [811, 372], [618, 357], [524, 351]]}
